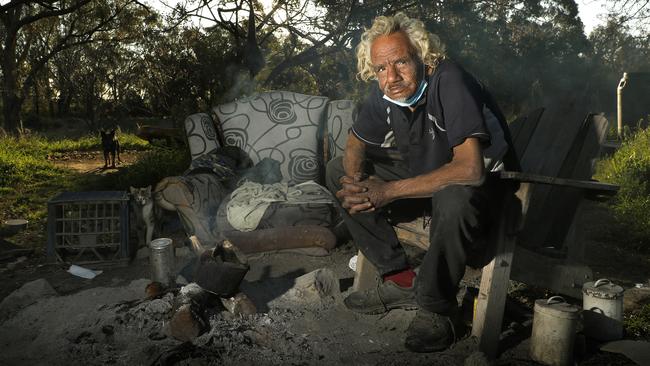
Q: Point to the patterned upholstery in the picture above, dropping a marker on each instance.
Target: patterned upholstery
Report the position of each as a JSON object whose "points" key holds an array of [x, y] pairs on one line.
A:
{"points": [[201, 134], [340, 115], [284, 126]]}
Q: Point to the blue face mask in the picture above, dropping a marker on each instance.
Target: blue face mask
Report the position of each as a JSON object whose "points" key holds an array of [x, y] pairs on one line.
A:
{"points": [[413, 98]]}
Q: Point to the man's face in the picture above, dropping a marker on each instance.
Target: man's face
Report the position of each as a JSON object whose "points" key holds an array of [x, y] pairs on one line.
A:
{"points": [[397, 71]]}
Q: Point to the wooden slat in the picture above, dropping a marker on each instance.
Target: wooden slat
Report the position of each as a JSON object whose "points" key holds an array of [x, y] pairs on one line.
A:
{"points": [[413, 233], [365, 275], [538, 225], [495, 279], [579, 165], [516, 125], [523, 134], [592, 186], [574, 239], [546, 153]]}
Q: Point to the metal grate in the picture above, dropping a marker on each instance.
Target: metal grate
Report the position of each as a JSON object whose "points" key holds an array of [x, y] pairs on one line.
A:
{"points": [[88, 227]]}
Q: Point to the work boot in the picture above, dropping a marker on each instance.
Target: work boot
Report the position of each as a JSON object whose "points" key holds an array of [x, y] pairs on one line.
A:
{"points": [[382, 298], [430, 332]]}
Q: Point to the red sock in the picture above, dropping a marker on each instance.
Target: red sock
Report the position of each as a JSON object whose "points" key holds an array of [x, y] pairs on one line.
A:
{"points": [[403, 278]]}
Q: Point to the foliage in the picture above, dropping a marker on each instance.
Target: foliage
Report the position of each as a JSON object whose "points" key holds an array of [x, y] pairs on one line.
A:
{"points": [[629, 168], [150, 168], [637, 324], [33, 33], [128, 141], [28, 179], [138, 62]]}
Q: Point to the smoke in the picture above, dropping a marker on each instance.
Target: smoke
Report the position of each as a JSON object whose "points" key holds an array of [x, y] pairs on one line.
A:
{"points": [[242, 83]]}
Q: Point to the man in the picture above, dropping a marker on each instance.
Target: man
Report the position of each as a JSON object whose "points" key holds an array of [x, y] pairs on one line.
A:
{"points": [[427, 130]]}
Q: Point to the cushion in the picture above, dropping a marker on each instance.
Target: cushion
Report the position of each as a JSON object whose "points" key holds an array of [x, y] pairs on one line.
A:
{"points": [[283, 126], [201, 135], [340, 115]]}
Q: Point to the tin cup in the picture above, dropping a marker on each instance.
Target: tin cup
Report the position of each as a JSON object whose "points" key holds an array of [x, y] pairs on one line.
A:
{"points": [[161, 260]]}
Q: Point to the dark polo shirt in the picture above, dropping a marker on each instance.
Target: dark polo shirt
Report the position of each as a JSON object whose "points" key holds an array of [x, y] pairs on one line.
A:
{"points": [[454, 108]]}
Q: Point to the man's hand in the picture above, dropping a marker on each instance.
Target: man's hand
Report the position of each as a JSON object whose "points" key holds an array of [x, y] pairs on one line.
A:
{"points": [[377, 191], [351, 196], [363, 195]]}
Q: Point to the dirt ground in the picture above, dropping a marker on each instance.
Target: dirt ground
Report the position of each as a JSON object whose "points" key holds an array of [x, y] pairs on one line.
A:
{"points": [[92, 162], [107, 320]]}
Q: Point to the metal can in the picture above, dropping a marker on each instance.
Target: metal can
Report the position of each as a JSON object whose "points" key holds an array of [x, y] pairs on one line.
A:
{"points": [[554, 328], [161, 260], [602, 304]]}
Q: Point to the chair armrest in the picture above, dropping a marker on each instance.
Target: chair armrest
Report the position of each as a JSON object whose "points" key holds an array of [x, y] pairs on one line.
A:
{"points": [[591, 188]]}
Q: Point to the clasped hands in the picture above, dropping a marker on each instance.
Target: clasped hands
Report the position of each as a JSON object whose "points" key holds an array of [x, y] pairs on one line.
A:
{"points": [[359, 194]]}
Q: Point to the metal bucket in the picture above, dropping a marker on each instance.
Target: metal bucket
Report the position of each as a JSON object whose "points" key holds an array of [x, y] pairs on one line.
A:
{"points": [[161, 260], [602, 304], [554, 328]]}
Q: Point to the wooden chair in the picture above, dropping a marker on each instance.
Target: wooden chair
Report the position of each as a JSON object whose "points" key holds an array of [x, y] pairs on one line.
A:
{"points": [[556, 160]]}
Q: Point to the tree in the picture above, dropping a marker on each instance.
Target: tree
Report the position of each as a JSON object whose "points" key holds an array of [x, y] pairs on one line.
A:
{"points": [[633, 14], [34, 32]]}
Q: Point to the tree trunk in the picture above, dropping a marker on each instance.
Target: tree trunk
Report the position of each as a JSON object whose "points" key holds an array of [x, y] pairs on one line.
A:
{"points": [[36, 100], [11, 111], [11, 100], [64, 101]]}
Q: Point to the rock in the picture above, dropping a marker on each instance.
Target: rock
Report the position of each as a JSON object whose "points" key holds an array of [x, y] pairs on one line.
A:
{"points": [[180, 280], [186, 325], [191, 294], [313, 286], [240, 304], [634, 299], [28, 294], [153, 290]]}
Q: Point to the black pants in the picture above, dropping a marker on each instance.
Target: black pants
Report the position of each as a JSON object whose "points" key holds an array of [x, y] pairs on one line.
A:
{"points": [[460, 217]]}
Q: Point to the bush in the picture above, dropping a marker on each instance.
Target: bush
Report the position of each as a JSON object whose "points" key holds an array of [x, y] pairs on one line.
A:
{"points": [[150, 168], [629, 168], [637, 324], [128, 141]]}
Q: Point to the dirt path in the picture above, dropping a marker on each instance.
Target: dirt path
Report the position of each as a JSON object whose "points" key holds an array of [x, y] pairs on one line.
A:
{"points": [[92, 162]]}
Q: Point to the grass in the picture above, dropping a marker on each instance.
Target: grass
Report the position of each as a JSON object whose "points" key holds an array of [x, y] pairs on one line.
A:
{"points": [[637, 324], [28, 179], [152, 166], [25, 174], [629, 168], [128, 141]]}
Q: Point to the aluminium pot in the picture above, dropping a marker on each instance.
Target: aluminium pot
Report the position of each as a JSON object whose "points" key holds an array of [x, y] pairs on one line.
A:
{"points": [[602, 304], [554, 328]]}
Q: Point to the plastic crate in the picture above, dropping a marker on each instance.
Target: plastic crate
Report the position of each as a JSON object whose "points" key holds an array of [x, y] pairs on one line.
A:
{"points": [[88, 227]]}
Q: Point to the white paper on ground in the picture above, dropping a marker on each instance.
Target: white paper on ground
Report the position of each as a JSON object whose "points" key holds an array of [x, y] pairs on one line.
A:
{"points": [[83, 272]]}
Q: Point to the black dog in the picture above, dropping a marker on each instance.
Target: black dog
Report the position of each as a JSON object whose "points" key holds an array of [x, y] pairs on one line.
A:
{"points": [[110, 145]]}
